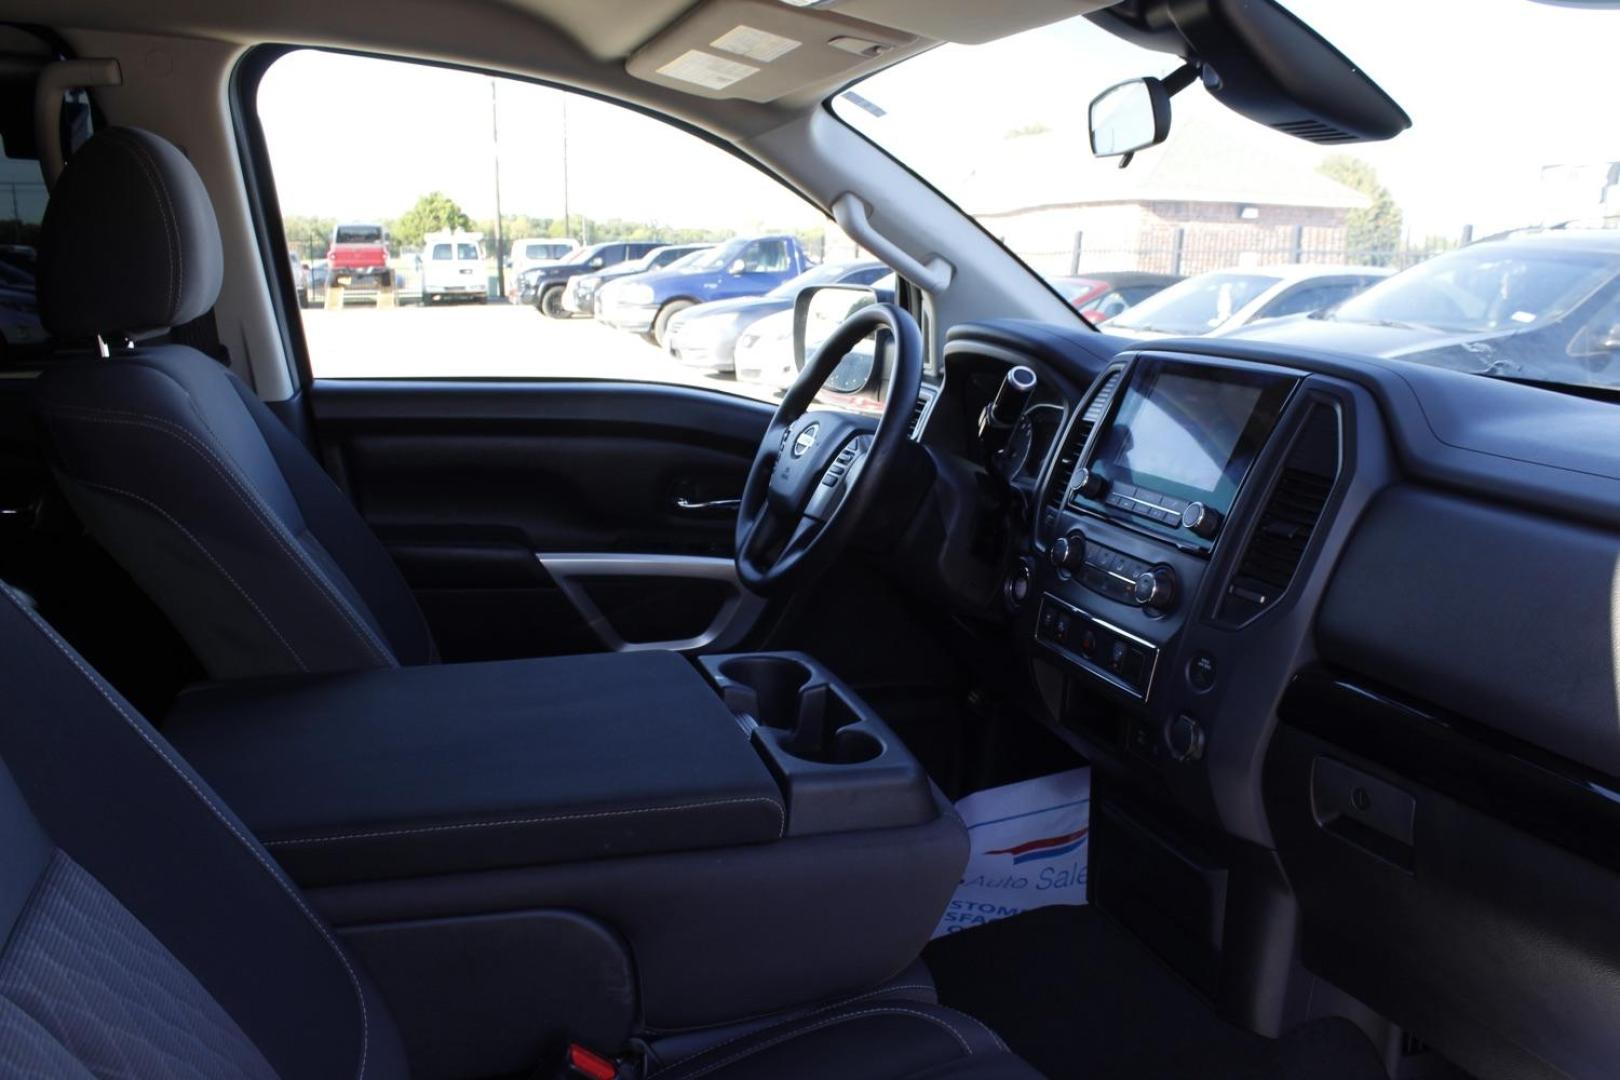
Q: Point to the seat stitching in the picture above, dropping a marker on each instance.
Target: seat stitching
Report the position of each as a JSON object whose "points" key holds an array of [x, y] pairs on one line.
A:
{"points": [[186, 438], [200, 546], [292, 894], [789, 1036], [171, 232], [544, 820]]}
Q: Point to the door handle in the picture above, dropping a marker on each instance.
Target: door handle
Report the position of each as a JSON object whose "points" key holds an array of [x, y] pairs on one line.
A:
{"points": [[700, 506]]}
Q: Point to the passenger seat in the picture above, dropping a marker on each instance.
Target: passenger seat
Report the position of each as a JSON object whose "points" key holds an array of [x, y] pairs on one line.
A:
{"points": [[147, 933]]}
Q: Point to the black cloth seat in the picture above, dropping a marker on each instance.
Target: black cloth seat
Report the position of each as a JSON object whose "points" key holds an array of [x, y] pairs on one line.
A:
{"points": [[147, 933], [216, 510]]}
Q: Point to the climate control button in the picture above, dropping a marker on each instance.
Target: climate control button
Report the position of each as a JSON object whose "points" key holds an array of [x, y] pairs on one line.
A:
{"points": [[1156, 588], [1069, 552]]}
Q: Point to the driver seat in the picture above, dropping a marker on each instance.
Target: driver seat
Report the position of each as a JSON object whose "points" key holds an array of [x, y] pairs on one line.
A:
{"points": [[175, 466]]}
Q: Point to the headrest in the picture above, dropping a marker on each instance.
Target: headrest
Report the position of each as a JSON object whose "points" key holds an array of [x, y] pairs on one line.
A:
{"points": [[130, 244]]}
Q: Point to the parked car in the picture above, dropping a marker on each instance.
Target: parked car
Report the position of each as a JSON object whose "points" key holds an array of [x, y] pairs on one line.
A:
{"points": [[764, 352], [1541, 304], [1102, 296], [746, 266], [580, 295], [453, 267], [1220, 301], [300, 273], [704, 336], [530, 252], [543, 286], [358, 255]]}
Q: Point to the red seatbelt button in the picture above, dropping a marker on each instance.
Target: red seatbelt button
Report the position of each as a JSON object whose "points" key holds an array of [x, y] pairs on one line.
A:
{"points": [[585, 1063]]}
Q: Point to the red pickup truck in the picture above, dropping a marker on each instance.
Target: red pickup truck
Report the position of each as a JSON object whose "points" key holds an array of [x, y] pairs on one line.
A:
{"points": [[359, 253]]}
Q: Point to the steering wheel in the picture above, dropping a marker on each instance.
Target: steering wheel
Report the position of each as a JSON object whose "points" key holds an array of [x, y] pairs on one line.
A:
{"points": [[816, 474]]}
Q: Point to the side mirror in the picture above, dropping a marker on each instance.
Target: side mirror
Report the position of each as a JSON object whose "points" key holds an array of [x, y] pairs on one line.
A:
{"points": [[1128, 117], [818, 310], [736, 267]]}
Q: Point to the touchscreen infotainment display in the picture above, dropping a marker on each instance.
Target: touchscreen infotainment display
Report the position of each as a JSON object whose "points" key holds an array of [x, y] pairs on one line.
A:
{"points": [[1190, 431]]}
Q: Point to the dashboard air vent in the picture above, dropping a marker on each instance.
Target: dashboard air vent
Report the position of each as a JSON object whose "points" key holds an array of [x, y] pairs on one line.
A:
{"points": [[1288, 520], [1069, 453], [914, 426]]}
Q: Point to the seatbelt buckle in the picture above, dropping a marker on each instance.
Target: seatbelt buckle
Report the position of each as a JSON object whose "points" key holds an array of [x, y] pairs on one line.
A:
{"points": [[583, 1063]]}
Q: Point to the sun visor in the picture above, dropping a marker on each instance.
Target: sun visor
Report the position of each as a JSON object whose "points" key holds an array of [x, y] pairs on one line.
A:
{"points": [[760, 50]]}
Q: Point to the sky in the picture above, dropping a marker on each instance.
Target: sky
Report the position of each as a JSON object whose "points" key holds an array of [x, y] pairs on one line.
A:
{"points": [[1496, 89]]}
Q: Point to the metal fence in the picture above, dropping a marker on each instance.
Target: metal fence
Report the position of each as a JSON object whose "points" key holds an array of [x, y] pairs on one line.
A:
{"points": [[1187, 251]]}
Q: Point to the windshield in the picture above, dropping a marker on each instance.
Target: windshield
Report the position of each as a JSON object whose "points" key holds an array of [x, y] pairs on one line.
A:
{"points": [[1483, 288], [1224, 195], [715, 258], [1196, 305]]}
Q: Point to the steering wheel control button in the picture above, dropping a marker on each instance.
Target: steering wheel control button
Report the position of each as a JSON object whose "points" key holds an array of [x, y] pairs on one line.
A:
{"points": [[1202, 521], [1184, 738], [1201, 672]]}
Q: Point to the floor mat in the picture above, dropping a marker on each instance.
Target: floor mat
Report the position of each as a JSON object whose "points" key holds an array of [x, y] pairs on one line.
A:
{"points": [[1081, 999], [1030, 845]]}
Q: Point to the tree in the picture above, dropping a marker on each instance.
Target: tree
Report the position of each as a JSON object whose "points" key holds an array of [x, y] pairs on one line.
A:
{"points": [[433, 212], [1373, 232], [309, 236]]}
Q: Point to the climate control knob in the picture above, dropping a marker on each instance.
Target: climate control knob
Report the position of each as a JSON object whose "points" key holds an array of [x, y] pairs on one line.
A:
{"points": [[1201, 520], [1069, 552], [1156, 588], [1089, 485]]}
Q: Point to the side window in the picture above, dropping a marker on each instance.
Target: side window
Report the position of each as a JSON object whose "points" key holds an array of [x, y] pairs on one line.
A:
{"points": [[23, 340], [766, 257], [582, 184], [867, 276]]}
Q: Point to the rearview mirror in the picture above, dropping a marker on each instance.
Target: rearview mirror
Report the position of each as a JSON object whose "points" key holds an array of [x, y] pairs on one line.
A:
{"points": [[1128, 117], [818, 310]]}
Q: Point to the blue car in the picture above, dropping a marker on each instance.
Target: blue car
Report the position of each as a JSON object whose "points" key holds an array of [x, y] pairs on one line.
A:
{"points": [[747, 266], [705, 337]]}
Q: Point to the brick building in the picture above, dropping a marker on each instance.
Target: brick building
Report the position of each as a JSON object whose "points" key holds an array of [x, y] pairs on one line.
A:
{"points": [[1217, 194]]}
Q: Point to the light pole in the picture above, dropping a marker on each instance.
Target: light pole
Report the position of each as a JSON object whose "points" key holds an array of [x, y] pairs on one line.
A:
{"points": [[566, 231], [495, 145]]}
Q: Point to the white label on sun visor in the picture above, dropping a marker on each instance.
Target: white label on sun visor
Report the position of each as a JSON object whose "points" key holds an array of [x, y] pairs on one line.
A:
{"points": [[761, 45], [711, 72]]}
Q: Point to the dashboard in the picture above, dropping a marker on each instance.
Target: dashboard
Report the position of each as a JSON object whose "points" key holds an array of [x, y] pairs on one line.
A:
{"points": [[1319, 623]]}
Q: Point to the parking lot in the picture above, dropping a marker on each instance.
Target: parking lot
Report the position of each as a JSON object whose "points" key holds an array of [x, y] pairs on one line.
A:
{"points": [[494, 340]]}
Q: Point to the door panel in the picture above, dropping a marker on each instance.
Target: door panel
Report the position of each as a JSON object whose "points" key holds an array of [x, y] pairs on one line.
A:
{"points": [[470, 484]]}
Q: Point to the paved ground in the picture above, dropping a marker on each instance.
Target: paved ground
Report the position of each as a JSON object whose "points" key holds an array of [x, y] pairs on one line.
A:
{"points": [[501, 340]]}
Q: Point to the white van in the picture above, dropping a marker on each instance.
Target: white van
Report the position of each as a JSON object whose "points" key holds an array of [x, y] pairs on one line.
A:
{"points": [[532, 251], [453, 267]]}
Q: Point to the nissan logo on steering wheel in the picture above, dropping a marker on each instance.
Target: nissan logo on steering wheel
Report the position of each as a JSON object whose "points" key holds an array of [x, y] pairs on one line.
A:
{"points": [[806, 439]]}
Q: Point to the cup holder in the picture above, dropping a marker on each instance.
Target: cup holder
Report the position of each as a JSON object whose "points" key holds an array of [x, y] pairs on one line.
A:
{"points": [[774, 683], [839, 767], [822, 732]]}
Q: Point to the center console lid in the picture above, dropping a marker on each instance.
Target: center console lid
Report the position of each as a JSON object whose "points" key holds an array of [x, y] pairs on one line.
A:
{"points": [[409, 772]]}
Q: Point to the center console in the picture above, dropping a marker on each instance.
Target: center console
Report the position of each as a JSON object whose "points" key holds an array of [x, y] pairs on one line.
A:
{"points": [[1180, 537], [706, 841]]}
